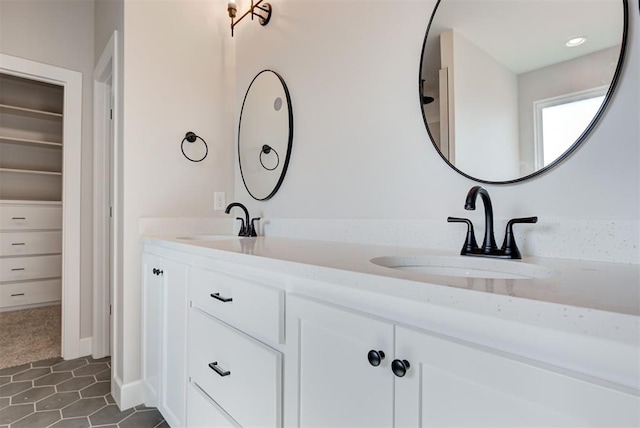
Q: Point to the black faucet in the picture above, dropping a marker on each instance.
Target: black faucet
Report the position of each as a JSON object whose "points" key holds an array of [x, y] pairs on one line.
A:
{"points": [[509, 249], [489, 242], [247, 228]]}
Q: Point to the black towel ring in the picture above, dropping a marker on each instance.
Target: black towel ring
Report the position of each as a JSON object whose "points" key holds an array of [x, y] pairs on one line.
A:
{"points": [[266, 149], [191, 138]]}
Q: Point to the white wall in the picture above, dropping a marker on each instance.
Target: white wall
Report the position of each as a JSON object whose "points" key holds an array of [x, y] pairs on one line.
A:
{"points": [[60, 33], [361, 151], [178, 77], [484, 97]]}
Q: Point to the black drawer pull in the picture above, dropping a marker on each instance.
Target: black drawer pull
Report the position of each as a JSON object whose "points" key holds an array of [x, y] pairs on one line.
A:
{"points": [[400, 367], [222, 299], [16, 269], [214, 366], [17, 294], [375, 357], [18, 218], [17, 243]]}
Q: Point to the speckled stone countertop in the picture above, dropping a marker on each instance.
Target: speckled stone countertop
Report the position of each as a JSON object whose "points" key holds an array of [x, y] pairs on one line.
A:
{"points": [[610, 287]]}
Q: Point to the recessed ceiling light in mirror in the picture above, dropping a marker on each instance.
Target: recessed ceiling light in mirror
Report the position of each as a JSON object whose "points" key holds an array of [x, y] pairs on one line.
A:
{"points": [[576, 41]]}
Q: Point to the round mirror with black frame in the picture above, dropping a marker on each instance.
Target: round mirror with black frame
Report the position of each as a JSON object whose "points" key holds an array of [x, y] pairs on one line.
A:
{"points": [[509, 89], [265, 135]]}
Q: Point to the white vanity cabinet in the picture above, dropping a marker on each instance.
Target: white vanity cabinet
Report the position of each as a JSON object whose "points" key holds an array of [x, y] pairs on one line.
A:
{"points": [[234, 370], [164, 338], [331, 383], [238, 340]]}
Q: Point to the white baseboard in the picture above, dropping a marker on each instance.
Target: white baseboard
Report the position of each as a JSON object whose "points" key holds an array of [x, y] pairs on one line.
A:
{"points": [[85, 346], [127, 395]]}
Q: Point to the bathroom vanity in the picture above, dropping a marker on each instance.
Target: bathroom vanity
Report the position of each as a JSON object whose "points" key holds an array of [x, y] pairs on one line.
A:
{"points": [[282, 332]]}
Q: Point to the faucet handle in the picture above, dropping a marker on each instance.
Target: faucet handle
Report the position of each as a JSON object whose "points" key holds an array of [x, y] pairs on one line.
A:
{"points": [[243, 227], [470, 243], [252, 227], [509, 247]]}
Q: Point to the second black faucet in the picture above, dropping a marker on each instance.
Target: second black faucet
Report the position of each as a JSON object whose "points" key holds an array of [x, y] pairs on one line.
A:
{"points": [[509, 249], [247, 228]]}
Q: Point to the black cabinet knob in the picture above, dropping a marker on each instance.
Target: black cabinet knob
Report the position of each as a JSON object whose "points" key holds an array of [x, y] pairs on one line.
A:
{"points": [[375, 357], [400, 367], [157, 271]]}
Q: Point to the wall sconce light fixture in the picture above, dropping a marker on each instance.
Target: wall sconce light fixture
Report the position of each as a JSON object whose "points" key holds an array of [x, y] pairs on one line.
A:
{"points": [[263, 13]]}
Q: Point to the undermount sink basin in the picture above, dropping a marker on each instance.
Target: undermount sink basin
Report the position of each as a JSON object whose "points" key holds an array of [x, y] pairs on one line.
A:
{"points": [[465, 267], [206, 237]]}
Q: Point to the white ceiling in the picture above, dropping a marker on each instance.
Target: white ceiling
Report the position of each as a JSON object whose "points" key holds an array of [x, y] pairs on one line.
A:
{"points": [[525, 35]]}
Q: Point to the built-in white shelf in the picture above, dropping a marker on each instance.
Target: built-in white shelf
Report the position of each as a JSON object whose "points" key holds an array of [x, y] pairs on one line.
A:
{"points": [[29, 171], [30, 112], [27, 142]]}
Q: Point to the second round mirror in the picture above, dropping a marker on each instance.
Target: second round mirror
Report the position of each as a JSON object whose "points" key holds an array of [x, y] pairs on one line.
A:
{"points": [[510, 87]]}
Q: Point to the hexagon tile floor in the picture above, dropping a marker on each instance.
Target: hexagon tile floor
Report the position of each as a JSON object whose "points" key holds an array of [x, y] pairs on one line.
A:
{"points": [[66, 394]]}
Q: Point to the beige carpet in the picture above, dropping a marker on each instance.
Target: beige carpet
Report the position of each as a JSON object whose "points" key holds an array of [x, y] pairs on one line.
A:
{"points": [[29, 335]]}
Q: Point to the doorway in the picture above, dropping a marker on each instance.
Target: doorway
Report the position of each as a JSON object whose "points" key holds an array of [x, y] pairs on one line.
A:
{"points": [[70, 117]]}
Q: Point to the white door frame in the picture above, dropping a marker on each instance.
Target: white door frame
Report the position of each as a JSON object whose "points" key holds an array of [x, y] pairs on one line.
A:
{"points": [[71, 178], [106, 81]]}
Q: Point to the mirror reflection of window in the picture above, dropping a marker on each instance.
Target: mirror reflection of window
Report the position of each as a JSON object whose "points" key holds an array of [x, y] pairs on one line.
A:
{"points": [[561, 120]]}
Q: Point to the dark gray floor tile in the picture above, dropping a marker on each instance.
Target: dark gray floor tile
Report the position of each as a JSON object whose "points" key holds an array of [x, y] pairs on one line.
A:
{"points": [[163, 424], [13, 370], [53, 378], [14, 388], [90, 369], [4, 402], [66, 366], [4, 379], [84, 407], [110, 399], [103, 375], [13, 413], [76, 384], [32, 395], [47, 363], [99, 389], [31, 374], [109, 415], [142, 419], [38, 419], [72, 423], [57, 401]]}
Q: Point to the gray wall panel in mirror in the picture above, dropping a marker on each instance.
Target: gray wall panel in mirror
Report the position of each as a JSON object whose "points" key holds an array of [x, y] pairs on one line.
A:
{"points": [[265, 135], [510, 99]]}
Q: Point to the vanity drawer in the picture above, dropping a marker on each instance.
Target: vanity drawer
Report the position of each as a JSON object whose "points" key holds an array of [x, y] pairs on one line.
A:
{"points": [[204, 413], [255, 308], [242, 375], [28, 243], [27, 293], [25, 268], [19, 217]]}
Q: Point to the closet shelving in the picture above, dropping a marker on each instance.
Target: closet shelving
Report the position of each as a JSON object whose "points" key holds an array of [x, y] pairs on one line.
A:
{"points": [[31, 153], [31, 147]]}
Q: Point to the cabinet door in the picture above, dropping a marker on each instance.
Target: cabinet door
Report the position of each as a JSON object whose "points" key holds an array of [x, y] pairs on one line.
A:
{"points": [[164, 337], [152, 308], [174, 362], [453, 383], [329, 380]]}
